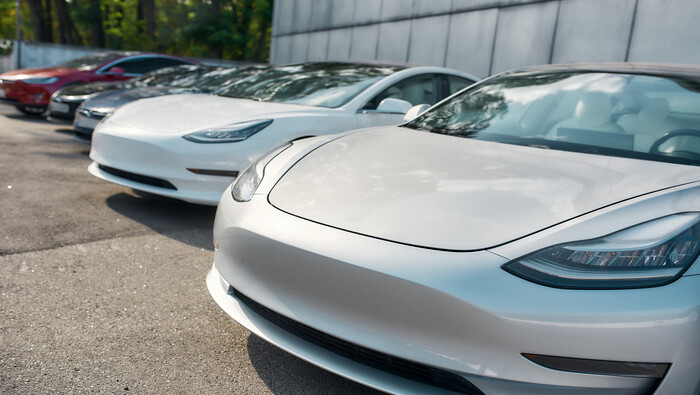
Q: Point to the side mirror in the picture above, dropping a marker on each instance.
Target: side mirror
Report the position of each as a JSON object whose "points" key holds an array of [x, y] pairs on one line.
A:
{"points": [[116, 70], [415, 111], [394, 106]]}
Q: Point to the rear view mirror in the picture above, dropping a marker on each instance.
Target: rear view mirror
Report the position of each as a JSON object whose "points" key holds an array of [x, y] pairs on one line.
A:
{"points": [[116, 70], [415, 111], [394, 106]]}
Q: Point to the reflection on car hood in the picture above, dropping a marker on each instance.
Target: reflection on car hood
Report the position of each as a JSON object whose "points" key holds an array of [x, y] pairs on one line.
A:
{"points": [[108, 101], [38, 73], [90, 88], [181, 114], [454, 193]]}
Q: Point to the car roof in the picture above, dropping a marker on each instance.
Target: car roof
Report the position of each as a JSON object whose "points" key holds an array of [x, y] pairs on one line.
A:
{"points": [[658, 69]]}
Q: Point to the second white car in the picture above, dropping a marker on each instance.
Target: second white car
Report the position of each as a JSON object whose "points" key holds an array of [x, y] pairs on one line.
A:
{"points": [[191, 147]]}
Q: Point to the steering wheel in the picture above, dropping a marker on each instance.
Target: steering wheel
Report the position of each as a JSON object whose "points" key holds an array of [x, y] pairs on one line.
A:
{"points": [[677, 153]]}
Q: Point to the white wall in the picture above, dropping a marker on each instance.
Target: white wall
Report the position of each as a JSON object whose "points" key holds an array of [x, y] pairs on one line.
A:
{"points": [[483, 37]]}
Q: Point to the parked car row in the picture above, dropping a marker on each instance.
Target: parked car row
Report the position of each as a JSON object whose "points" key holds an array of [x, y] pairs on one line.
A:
{"points": [[406, 228]]}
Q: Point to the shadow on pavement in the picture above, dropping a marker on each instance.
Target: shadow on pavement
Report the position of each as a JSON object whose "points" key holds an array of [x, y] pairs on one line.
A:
{"points": [[284, 373], [29, 118], [188, 223]]}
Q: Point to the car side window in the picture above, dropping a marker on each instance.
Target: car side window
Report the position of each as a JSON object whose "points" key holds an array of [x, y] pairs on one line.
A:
{"points": [[144, 65], [456, 84], [421, 89]]}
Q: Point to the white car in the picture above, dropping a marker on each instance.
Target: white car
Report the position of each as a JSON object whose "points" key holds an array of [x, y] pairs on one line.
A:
{"points": [[536, 233], [191, 147]]}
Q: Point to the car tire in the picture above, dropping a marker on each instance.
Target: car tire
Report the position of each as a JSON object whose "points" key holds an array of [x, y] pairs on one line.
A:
{"points": [[31, 110]]}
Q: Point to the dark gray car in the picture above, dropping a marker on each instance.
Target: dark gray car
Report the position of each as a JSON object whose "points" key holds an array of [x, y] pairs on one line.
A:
{"points": [[91, 112]]}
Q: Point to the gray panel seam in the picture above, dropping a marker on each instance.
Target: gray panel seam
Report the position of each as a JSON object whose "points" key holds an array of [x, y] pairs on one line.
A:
{"points": [[379, 31], [554, 33], [449, 32], [405, 18], [410, 31], [493, 43], [629, 39]]}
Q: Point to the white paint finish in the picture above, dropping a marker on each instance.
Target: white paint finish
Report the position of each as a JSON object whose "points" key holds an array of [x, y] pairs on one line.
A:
{"points": [[299, 48], [364, 42], [431, 7], [342, 13], [393, 41], [146, 137], [392, 9], [367, 11], [593, 30], [368, 182], [428, 40], [666, 31], [318, 45], [339, 44], [470, 41], [524, 36]]}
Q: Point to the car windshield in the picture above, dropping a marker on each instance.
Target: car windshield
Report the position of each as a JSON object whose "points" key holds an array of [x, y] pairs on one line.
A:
{"points": [[91, 61], [219, 78], [629, 115], [312, 84], [173, 76]]}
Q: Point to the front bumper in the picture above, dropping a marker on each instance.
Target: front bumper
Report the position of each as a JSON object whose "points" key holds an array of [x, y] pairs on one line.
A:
{"points": [[456, 312], [167, 158], [64, 109], [20, 94]]}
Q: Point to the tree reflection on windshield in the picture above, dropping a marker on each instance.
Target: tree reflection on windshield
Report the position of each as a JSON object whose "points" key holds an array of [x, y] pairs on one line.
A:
{"points": [[314, 84]]}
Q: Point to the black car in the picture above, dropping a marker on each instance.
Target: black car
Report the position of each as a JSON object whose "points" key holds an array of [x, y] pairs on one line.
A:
{"points": [[66, 100]]}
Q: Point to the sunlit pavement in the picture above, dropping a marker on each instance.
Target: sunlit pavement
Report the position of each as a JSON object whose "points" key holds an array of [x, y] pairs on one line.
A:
{"points": [[102, 289]]}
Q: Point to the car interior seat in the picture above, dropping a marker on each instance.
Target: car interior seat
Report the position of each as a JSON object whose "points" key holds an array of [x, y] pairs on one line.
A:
{"points": [[649, 124]]}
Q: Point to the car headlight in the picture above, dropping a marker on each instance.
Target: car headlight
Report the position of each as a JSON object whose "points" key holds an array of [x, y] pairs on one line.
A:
{"points": [[647, 255], [247, 182], [229, 133], [38, 81]]}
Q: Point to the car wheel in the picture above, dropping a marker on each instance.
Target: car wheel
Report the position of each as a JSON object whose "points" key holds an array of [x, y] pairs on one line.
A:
{"points": [[31, 110]]}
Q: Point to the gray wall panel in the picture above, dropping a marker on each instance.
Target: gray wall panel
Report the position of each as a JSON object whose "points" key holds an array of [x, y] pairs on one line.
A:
{"points": [[284, 22], [593, 30], [339, 44], [426, 8], [364, 42], [393, 41], [321, 15], [428, 40], [524, 36], [282, 50], [302, 15], [470, 41], [666, 31], [342, 12], [460, 33], [392, 9], [318, 46], [299, 48], [367, 11]]}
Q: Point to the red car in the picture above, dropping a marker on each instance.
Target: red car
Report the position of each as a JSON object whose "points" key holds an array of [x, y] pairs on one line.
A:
{"points": [[29, 90]]}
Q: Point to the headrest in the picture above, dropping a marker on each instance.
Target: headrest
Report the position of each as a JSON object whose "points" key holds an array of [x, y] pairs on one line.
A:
{"points": [[654, 110], [593, 109]]}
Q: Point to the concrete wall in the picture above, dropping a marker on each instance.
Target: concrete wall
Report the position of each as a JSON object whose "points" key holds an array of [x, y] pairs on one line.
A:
{"points": [[35, 55], [483, 37]]}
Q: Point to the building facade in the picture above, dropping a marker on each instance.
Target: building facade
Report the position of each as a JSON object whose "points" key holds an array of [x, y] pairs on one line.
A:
{"points": [[484, 37]]}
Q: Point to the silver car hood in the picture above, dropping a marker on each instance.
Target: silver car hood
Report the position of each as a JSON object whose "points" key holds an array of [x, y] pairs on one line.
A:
{"points": [[453, 193]]}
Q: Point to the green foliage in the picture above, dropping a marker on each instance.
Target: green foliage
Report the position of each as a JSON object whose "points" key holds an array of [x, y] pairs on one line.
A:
{"points": [[227, 29]]}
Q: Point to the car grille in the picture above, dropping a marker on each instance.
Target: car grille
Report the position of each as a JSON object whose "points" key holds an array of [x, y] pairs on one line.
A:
{"points": [[156, 182], [381, 361]]}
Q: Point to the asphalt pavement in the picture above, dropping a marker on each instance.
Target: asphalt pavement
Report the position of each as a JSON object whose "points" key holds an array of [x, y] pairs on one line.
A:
{"points": [[102, 289]]}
